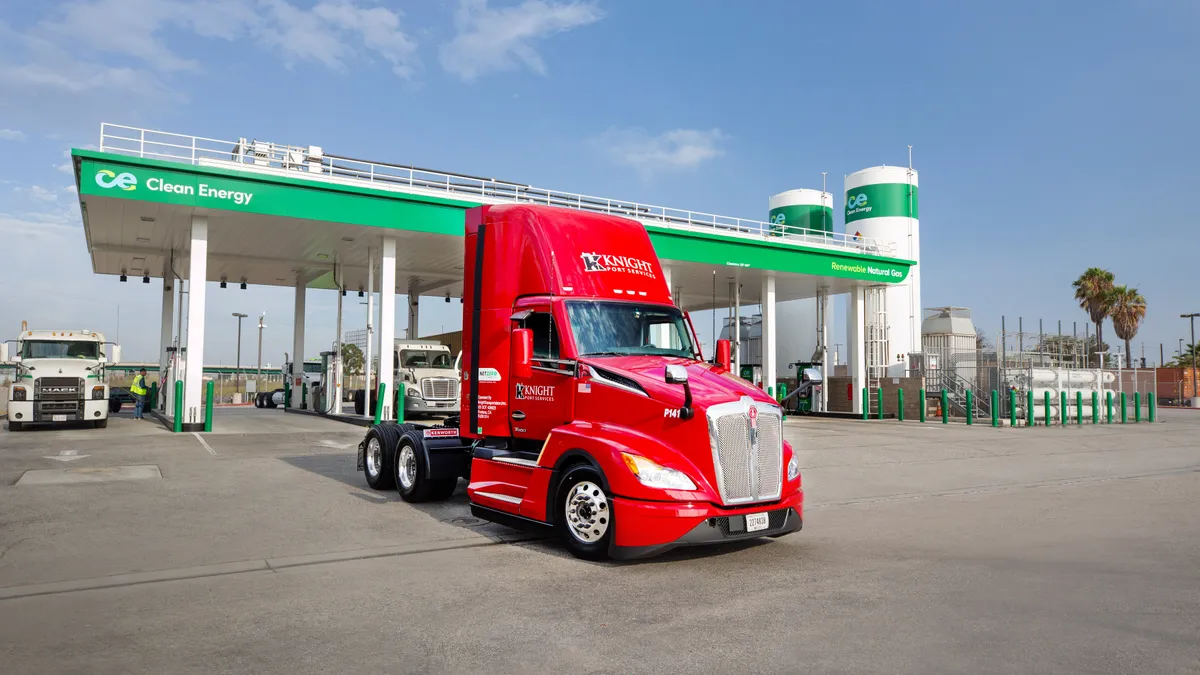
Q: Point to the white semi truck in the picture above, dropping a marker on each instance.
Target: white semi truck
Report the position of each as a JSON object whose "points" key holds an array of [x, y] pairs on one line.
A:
{"points": [[59, 377]]}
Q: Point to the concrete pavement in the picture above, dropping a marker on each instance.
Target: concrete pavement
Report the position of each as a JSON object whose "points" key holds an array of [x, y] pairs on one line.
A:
{"points": [[925, 550]]}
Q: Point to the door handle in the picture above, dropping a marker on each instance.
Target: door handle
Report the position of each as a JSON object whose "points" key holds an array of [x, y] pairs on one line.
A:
{"points": [[518, 415]]}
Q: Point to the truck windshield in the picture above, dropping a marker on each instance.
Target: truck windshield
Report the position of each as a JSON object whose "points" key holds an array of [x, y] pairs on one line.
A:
{"points": [[312, 367], [621, 328], [59, 349], [424, 358]]}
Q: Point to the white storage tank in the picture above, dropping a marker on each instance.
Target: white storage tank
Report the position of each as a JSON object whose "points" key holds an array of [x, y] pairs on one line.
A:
{"points": [[881, 203], [801, 211], [947, 331]]}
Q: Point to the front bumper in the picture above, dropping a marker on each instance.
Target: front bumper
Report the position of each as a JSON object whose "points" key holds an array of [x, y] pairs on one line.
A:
{"points": [[649, 528], [420, 405], [45, 411]]}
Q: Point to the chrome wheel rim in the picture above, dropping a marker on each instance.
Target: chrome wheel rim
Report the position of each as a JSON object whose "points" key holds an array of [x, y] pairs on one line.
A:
{"points": [[374, 457], [406, 464], [587, 512]]}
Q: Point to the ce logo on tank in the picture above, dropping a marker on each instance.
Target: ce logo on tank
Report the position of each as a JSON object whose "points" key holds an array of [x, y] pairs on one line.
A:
{"points": [[108, 179], [856, 201]]}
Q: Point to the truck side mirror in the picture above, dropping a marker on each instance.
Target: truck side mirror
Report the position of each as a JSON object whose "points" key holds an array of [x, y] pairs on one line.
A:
{"points": [[115, 354], [522, 352], [676, 375], [3, 352], [723, 354]]}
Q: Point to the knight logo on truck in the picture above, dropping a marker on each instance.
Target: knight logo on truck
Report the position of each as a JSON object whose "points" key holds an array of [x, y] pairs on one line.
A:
{"points": [[602, 262], [535, 392]]}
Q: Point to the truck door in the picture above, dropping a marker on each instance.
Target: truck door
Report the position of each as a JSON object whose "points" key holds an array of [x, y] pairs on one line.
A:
{"points": [[542, 401]]}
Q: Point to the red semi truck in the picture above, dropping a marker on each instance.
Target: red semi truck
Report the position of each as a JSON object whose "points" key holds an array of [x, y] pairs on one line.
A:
{"points": [[586, 406]]}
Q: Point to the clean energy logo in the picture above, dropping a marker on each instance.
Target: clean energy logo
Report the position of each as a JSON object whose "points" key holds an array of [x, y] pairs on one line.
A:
{"points": [[857, 204], [107, 179]]}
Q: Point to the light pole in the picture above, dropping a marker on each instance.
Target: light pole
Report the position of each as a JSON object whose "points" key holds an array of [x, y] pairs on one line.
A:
{"points": [[237, 372], [261, 326], [1195, 384]]}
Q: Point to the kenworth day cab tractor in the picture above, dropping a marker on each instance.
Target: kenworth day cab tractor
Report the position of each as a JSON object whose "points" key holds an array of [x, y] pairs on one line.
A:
{"points": [[59, 377], [586, 406]]}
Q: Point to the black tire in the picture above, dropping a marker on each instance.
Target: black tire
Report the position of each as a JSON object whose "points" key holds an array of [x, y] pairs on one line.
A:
{"points": [[269, 401], [360, 402], [16, 426], [445, 489], [379, 461], [258, 400], [587, 529], [101, 424], [114, 405]]}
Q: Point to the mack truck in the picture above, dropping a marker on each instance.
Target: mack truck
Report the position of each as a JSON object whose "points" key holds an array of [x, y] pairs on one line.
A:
{"points": [[59, 377], [586, 407]]}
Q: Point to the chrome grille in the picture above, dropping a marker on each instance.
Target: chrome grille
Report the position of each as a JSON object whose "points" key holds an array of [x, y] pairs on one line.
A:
{"points": [[58, 389], [439, 388], [748, 458]]}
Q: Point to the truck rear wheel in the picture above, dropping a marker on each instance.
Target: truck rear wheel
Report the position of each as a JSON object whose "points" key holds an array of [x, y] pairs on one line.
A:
{"points": [[379, 457], [585, 519], [412, 476]]}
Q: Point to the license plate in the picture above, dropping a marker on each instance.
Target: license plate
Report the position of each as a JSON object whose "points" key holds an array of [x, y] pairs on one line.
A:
{"points": [[756, 522], [59, 418]]}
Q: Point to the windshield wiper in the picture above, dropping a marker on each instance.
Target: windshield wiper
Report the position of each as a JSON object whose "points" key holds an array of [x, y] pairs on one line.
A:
{"points": [[607, 354]]}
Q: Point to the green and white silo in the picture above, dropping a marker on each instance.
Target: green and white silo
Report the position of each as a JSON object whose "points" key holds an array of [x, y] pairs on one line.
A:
{"points": [[801, 211], [881, 204]]}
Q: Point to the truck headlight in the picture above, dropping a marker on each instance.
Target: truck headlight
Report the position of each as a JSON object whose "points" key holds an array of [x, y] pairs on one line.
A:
{"points": [[651, 474], [793, 469], [97, 393], [412, 391], [18, 394]]}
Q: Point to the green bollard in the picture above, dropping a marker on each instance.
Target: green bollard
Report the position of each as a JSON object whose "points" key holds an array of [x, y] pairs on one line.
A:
{"points": [[900, 404], [379, 401], [995, 408], [970, 409], [1124, 410], [1109, 401], [1047, 402], [400, 402], [304, 395], [1012, 408], [1063, 415], [208, 404], [153, 396], [866, 405], [1137, 407], [178, 406], [879, 395], [924, 403], [1079, 408], [287, 392], [1150, 409], [1095, 408], [782, 394], [1029, 408], [945, 407]]}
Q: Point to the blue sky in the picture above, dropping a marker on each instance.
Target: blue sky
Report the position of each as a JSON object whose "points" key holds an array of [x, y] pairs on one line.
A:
{"points": [[1050, 136]]}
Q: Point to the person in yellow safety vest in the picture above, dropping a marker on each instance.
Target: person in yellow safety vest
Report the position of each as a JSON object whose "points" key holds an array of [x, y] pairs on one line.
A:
{"points": [[138, 389]]}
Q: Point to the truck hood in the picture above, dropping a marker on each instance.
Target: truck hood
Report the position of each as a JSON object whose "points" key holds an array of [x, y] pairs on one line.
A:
{"points": [[710, 385], [52, 367]]}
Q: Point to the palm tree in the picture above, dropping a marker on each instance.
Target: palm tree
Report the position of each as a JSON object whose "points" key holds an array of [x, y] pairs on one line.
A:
{"points": [[1092, 290], [1127, 308], [1184, 359]]}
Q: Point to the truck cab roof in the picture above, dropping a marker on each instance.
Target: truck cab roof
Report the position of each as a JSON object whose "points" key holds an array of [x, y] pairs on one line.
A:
{"points": [[81, 335]]}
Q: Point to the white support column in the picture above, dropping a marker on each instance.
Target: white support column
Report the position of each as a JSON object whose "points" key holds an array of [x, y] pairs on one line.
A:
{"points": [[856, 335], [736, 333], [165, 336], [414, 312], [769, 355], [823, 306], [193, 385], [368, 359], [335, 391], [298, 341], [387, 323]]}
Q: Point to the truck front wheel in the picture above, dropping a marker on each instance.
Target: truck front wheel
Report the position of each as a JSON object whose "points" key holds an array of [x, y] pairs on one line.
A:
{"points": [[585, 519], [15, 426], [101, 424], [377, 461]]}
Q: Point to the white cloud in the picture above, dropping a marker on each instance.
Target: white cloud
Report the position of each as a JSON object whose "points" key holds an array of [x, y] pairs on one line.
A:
{"points": [[677, 149], [37, 193], [329, 32], [12, 135], [491, 40]]}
